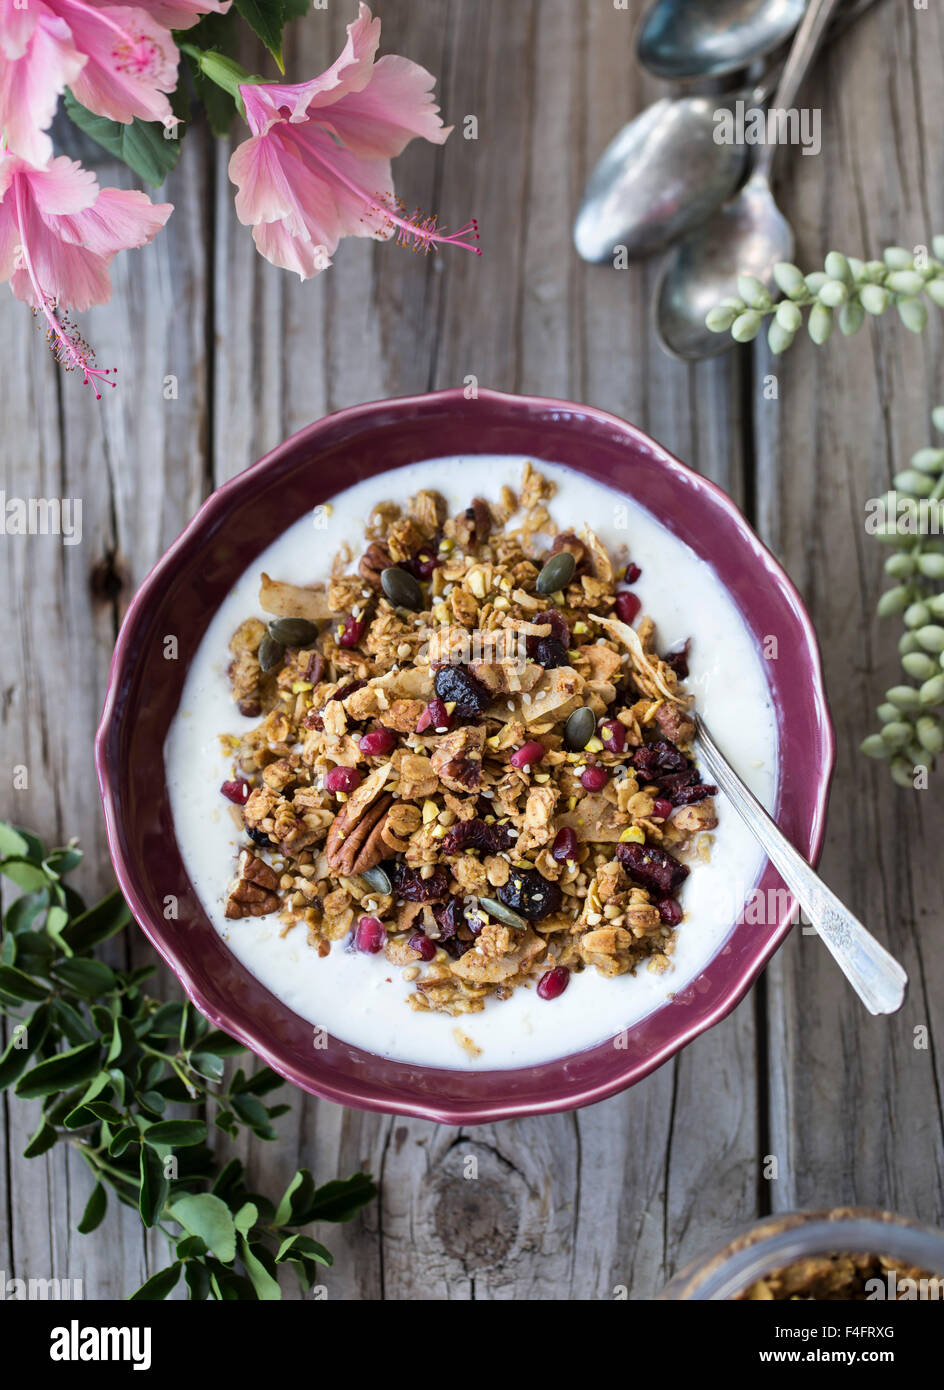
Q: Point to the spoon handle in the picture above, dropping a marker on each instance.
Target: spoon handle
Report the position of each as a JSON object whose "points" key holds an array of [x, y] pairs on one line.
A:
{"points": [[876, 977], [806, 43]]}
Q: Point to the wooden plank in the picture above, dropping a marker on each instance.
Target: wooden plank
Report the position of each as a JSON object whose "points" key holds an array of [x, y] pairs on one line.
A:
{"points": [[855, 1106]]}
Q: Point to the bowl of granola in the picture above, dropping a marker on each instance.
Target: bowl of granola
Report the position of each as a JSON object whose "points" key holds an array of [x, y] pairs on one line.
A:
{"points": [[420, 780]]}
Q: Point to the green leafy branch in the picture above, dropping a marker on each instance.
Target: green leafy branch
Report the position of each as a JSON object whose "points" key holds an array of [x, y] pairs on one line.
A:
{"points": [[912, 716], [846, 285], [108, 1062]]}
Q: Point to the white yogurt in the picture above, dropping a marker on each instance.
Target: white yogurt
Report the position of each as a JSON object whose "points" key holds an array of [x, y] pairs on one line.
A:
{"points": [[361, 998]]}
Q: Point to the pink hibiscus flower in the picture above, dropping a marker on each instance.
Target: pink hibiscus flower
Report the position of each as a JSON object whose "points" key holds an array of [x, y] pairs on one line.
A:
{"points": [[118, 60], [317, 165], [59, 232]]}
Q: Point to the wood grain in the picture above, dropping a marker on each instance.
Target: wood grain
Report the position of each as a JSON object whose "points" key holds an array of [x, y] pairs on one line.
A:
{"points": [[607, 1201]]}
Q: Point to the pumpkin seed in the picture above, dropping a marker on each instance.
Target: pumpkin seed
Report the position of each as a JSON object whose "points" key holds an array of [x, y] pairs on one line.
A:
{"points": [[504, 914], [557, 573], [402, 589], [580, 728], [293, 632], [377, 879], [271, 653]]}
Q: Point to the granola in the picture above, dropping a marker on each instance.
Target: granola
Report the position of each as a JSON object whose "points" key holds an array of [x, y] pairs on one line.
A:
{"points": [[477, 763]]}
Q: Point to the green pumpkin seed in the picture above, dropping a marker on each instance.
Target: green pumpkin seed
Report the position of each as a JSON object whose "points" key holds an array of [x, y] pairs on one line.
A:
{"points": [[580, 728], [271, 653], [504, 914], [557, 573], [293, 632], [378, 880], [402, 589]]}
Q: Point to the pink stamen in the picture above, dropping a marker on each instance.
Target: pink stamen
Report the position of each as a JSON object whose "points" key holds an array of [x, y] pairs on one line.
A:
{"points": [[421, 231], [65, 341]]}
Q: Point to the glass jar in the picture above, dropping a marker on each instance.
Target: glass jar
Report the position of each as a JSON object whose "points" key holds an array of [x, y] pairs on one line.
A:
{"points": [[732, 1266]]}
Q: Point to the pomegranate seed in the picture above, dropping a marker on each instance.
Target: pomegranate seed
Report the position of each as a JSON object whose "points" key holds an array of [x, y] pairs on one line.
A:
{"points": [[552, 984], [627, 607], [527, 754], [662, 808], [669, 911], [435, 716], [423, 564], [352, 630], [371, 935], [237, 791], [342, 779], [377, 743], [613, 734], [422, 945], [632, 573], [565, 844], [594, 778]]}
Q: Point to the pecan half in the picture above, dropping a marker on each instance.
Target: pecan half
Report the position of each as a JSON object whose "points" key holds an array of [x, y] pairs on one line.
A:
{"points": [[253, 893], [355, 843], [375, 559]]}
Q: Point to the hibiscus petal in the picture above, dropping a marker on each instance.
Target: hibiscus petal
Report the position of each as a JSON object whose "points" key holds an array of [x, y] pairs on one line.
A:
{"points": [[62, 188], [132, 63], [396, 107], [276, 243], [30, 86], [179, 14], [74, 276], [120, 219]]}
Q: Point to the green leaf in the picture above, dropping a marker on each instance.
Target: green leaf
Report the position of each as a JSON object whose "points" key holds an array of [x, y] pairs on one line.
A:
{"points": [[57, 919], [266, 1287], [159, 1285], [207, 1064], [341, 1200], [12, 843], [166, 1022], [246, 1218], [100, 922], [266, 18], [130, 1134], [76, 1028], [95, 1209], [21, 986], [69, 1068], [296, 1197], [62, 861], [24, 874], [190, 1248], [142, 145], [87, 1113], [23, 911], [123, 1043], [294, 1246], [43, 1139], [91, 978], [197, 1279], [208, 1217], [220, 1044], [175, 1133], [154, 1187]]}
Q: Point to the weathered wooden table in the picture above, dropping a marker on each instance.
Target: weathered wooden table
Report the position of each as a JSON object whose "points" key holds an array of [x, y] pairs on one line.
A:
{"points": [[576, 1205]]}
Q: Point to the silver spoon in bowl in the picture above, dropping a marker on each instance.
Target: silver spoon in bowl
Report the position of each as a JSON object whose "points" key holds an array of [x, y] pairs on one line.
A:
{"points": [[692, 38], [749, 233], [877, 978]]}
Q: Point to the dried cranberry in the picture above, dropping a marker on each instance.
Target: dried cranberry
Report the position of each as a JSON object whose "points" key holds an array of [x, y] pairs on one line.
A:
{"points": [[527, 891], [434, 716], [689, 793], [449, 917], [550, 653], [237, 791], [627, 606], [343, 691], [455, 683], [352, 630], [422, 945], [662, 808], [659, 757], [560, 630], [424, 562], [613, 735], [527, 754], [678, 659], [377, 743], [478, 834], [652, 867], [632, 573], [370, 936], [410, 885], [565, 844], [669, 911], [553, 982], [594, 778], [342, 779], [259, 837]]}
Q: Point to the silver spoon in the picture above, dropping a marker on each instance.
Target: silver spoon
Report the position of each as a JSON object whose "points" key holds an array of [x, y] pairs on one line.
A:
{"points": [[750, 233], [876, 977], [707, 38], [663, 173]]}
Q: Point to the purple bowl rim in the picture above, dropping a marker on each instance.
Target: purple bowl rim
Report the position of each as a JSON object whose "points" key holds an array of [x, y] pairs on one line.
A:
{"points": [[215, 506]]}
